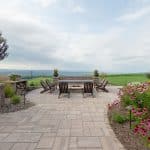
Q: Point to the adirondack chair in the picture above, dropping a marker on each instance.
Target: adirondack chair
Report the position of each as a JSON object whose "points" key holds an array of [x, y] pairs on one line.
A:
{"points": [[45, 86], [63, 89], [88, 88], [50, 85], [102, 86]]}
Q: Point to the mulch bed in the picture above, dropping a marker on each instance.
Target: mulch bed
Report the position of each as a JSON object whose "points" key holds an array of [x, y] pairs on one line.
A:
{"points": [[125, 135], [14, 108]]}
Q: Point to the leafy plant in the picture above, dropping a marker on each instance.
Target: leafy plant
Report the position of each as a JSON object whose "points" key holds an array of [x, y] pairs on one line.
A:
{"points": [[32, 84], [96, 73], [9, 91], [119, 118], [143, 129], [148, 75], [126, 100], [138, 96], [55, 73], [14, 77], [147, 102], [15, 99], [143, 100]]}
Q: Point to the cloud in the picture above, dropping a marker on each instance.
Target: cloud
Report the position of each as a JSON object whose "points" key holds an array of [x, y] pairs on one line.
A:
{"points": [[78, 9], [39, 45], [35, 43], [135, 15], [45, 3], [74, 6]]}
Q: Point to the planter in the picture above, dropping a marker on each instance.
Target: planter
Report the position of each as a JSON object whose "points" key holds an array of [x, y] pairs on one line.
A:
{"points": [[55, 79]]}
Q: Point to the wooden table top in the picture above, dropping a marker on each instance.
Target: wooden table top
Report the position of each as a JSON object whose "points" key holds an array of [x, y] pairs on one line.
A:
{"points": [[75, 81]]}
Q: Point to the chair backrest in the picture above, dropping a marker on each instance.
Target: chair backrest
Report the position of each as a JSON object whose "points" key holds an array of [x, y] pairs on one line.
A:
{"points": [[50, 85], [104, 83], [88, 87], [63, 87], [47, 82], [43, 84]]}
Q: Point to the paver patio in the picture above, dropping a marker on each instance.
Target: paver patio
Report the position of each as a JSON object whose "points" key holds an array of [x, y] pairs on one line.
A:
{"points": [[60, 124]]}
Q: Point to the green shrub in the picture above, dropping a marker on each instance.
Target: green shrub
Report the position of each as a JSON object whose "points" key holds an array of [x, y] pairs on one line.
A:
{"points": [[55, 73], [127, 100], [137, 95], [119, 118], [9, 91], [147, 104], [143, 99], [148, 75], [96, 73], [15, 99], [32, 84], [14, 77]]}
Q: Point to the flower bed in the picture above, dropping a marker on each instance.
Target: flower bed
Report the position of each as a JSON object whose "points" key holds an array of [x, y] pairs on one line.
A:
{"points": [[129, 116]]}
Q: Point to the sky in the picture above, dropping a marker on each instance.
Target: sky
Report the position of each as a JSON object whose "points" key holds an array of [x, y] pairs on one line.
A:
{"points": [[77, 35]]}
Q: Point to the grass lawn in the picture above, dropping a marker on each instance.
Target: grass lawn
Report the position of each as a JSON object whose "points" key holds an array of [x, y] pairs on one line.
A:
{"points": [[36, 81], [124, 79], [117, 79]]}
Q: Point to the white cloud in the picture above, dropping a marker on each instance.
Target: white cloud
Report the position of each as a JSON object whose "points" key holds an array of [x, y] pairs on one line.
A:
{"points": [[45, 3], [74, 6], [42, 44], [83, 27], [35, 44], [78, 9], [135, 15]]}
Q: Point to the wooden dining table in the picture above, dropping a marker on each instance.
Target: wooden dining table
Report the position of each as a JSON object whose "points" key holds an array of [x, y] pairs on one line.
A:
{"points": [[76, 85], [75, 81]]}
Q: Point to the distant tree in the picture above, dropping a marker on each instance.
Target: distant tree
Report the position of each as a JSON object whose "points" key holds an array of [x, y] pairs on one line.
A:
{"points": [[3, 47]]}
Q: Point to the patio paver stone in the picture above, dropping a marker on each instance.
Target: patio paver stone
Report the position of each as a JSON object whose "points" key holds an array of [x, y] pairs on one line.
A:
{"points": [[74, 123]]}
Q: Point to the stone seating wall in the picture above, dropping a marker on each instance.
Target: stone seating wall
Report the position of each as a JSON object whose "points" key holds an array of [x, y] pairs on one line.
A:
{"points": [[75, 78], [2, 96]]}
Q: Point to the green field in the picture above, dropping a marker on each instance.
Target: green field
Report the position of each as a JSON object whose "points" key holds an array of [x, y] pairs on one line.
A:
{"points": [[116, 79], [124, 79], [36, 81]]}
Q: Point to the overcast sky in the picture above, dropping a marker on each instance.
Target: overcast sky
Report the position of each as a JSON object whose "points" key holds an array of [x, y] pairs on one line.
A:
{"points": [[110, 35]]}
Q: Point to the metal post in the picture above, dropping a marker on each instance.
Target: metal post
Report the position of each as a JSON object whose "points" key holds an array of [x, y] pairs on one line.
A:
{"points": [[129, 108], [130, 119]]}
